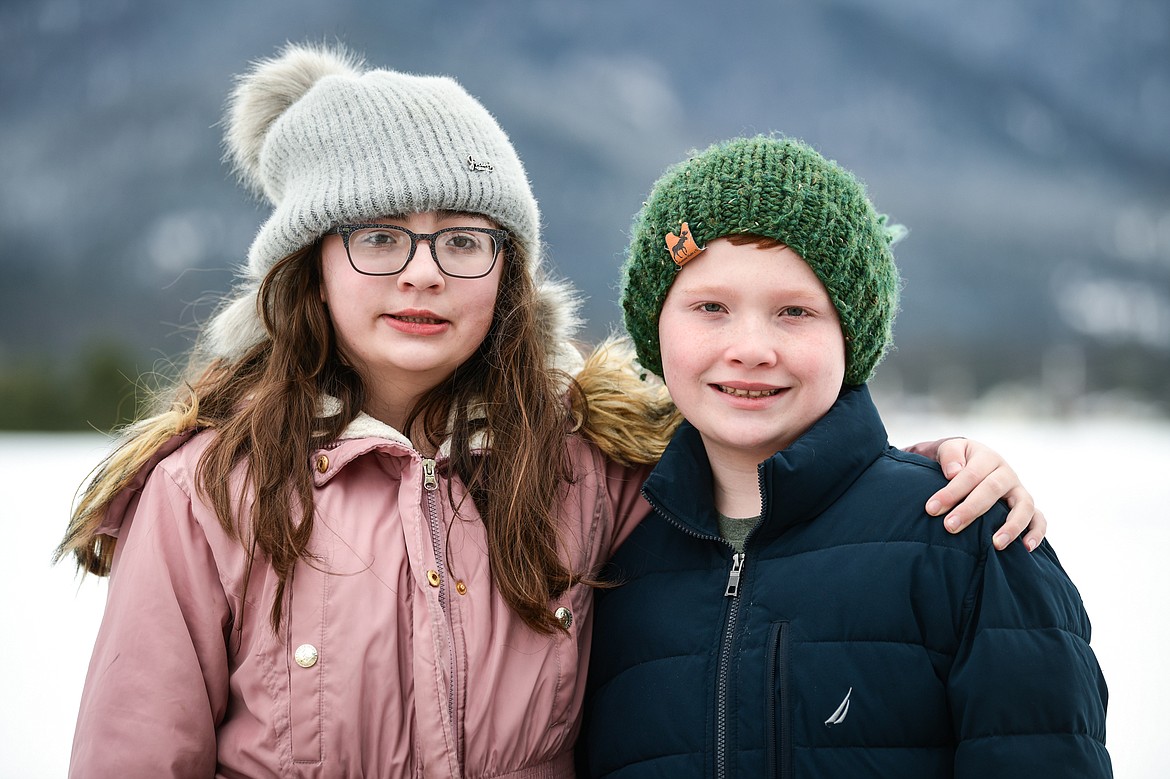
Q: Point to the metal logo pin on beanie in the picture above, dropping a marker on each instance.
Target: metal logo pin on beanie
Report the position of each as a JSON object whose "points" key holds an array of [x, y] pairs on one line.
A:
{"points": [[475, 166]]}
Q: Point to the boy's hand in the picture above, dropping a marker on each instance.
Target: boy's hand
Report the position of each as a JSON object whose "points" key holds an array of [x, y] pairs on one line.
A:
{"points": [[979, 477]]}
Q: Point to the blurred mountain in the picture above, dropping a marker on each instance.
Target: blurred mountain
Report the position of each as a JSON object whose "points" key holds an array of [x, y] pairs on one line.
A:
{"points": [[1025, 146]]}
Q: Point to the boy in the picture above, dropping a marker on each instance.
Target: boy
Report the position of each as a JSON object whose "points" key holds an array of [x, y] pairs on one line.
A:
{"points": [[789, 609]]}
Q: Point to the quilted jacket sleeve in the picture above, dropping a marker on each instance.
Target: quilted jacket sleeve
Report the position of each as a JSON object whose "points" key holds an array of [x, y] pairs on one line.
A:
{"points": [[158, 679], [1027, 695]]}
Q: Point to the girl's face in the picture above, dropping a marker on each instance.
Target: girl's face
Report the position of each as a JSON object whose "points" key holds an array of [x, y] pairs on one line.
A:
{"points": [[406, 333], [752, 349]]}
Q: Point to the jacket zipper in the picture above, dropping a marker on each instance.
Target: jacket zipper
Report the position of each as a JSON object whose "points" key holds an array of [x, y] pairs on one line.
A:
{"points": [[721, 682], [430, 487], [738, 560]]}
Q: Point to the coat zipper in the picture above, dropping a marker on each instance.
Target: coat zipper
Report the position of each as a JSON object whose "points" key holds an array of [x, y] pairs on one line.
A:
{"points": [[431, 487], [721, 682], [738, 560]]}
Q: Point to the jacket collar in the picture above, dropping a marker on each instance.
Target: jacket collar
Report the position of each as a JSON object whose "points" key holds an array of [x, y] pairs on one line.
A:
{"points": [[365, 426], [365, 433], [796, 484]]}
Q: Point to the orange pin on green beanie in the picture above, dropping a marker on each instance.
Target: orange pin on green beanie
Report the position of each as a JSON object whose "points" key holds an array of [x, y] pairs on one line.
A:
{"points": [[776, 188]]}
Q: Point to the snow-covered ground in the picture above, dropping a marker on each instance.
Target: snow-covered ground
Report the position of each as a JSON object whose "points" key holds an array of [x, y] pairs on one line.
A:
{"points": [[1105, 487]]}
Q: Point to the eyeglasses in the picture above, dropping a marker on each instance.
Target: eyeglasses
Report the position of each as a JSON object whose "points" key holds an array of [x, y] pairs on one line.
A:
{"points": [[385, 250]]}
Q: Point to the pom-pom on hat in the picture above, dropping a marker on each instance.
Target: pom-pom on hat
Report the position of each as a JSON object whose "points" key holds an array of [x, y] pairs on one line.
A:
{"points": [[328, 142], [776, 188]]}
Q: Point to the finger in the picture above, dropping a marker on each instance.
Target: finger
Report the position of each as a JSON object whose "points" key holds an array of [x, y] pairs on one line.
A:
{"points": [[1036, 531], [926, 449], [1020, 517], [947, 498], [970, 495], [930, 449], [952, 455]]}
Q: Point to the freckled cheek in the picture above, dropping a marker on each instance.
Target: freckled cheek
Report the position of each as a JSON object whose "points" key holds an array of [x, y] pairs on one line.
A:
{"points": [[683, 350], [824, 359], [668, 361], [682, 364]]}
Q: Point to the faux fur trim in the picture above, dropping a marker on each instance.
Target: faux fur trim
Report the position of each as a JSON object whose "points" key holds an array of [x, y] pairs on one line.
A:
{"points": [[557, 316], [628, 412], [236, 327]]}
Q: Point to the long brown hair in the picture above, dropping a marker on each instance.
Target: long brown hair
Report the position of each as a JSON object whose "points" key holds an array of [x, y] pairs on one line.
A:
{"points": [[265, 409]]}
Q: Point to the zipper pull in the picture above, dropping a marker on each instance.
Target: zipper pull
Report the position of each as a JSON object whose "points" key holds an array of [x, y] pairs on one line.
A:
{"points": [[430, 481], [733, 580]]}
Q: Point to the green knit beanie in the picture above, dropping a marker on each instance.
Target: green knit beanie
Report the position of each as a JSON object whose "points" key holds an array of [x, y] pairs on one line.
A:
{"points": [[776, 188]]}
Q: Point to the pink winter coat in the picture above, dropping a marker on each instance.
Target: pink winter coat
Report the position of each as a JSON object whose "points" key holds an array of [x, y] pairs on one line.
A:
{"points": [[398, 657]]}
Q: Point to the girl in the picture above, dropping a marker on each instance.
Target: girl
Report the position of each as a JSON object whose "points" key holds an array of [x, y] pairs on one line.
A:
{"points": [[359, 539]]}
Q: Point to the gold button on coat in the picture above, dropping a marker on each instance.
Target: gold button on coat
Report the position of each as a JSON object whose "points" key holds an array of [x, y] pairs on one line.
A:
{"points": [[564, 616], [433, 577], [322, 463], [306, 655], [460, 587]]}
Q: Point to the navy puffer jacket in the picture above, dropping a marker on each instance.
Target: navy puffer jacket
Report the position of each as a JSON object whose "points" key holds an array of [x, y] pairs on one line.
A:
{"points": [[854, 637]]}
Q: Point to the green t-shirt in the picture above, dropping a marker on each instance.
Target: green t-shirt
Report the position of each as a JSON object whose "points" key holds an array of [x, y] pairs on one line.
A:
{"points": [[735, 530]]}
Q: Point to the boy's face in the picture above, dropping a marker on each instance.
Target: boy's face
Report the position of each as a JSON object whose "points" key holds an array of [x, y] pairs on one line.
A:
{"points": [[752, 349]]}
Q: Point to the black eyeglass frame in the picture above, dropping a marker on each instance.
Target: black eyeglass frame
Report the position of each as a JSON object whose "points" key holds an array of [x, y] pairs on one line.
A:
{"points": [[499, 242]]}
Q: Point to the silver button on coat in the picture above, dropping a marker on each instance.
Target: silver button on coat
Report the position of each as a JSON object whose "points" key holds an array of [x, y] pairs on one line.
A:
{"points": [[306, 655]]}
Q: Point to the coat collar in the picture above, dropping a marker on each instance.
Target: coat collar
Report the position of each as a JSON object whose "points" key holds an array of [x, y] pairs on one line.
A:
{"points": [[365, 433], [365, 426], [796, 484]]}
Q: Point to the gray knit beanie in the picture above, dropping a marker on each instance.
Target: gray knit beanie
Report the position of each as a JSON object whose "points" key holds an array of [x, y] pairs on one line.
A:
{"points": [[328, 142]]}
